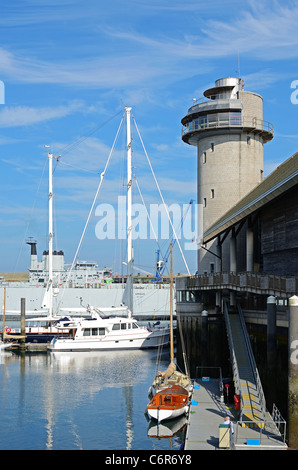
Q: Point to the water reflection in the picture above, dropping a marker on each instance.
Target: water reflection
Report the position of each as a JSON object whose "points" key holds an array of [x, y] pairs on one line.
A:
{"points": [[77, 400]]}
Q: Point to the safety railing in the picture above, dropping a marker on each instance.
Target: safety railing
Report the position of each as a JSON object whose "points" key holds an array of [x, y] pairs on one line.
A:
{"points": [[256, 282], [258, 384], [218, 121], [279, 422], [233, 359]]}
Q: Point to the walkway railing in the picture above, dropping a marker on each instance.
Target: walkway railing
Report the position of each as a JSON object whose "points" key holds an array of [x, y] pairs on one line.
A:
{"points": [[260, 392], [235, 369], [267, 284], [218, 122]]}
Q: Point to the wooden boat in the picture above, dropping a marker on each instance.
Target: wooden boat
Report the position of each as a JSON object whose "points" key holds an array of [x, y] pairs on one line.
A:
{"points": [[170, 403], [171, 376], [170, 389]]}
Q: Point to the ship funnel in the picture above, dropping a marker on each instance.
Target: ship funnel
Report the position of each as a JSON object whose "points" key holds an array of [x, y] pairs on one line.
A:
{"points": [[30, 241]]}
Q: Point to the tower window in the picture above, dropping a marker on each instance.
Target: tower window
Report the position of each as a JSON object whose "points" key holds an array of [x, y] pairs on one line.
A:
{"points": [[204, 202], [204, 157], [212, 147], [212, 193]]}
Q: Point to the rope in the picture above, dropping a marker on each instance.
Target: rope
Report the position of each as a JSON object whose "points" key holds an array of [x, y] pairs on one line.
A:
{"points": [[91, 209], [165, 206]]}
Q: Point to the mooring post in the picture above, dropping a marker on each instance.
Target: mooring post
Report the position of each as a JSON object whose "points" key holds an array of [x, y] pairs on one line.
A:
{"points": [[204, 338], [23, 317], [271, 331], [293, 373]]}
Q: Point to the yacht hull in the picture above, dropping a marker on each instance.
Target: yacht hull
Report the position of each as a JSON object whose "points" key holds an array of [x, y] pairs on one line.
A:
{"points": [[146, 341], [169, 404]]}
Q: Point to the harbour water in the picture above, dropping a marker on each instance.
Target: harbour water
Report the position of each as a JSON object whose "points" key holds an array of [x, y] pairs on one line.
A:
{"points": [[80, 401]]}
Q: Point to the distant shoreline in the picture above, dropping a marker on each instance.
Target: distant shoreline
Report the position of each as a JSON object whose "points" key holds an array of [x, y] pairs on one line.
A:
{"points": [[15, 276]]}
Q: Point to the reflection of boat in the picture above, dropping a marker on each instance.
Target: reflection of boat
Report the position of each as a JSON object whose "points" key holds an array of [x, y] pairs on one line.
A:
{"points": [[166, 429], [114, 333], [169, 403], [170, 389], [4, 345]]}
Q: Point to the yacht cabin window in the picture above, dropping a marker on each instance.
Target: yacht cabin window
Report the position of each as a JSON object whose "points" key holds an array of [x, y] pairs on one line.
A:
{"points": [[93, 331]]}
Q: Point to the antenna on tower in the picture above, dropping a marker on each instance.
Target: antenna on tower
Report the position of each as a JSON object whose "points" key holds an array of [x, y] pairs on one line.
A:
{"points": [[238, 64]]}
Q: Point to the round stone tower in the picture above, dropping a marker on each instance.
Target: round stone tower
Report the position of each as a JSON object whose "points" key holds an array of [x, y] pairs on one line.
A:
{"points": [[228, 129]]}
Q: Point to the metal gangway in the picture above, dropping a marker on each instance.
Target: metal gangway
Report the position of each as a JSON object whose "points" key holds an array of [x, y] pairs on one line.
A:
{"points": [[248, 387], [252, 404]]}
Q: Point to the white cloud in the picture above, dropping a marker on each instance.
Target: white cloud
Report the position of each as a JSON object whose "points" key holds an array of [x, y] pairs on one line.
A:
{"points": [[266, 30], [25, 115]]}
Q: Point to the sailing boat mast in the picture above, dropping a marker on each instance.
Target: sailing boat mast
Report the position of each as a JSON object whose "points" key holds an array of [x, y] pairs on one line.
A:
{"points": [[129, 213], [50, 257], [171, 309]]}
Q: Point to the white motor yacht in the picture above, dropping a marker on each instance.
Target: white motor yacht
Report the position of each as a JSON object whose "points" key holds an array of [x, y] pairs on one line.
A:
{"points": [[109, 333]]}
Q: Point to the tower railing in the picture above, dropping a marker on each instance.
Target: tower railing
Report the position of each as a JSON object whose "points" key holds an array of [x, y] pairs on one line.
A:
{"points": [[218, 121]]}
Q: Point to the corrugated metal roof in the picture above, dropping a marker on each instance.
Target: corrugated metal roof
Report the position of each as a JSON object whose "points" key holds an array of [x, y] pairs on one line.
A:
{"points": [[280, 180]]}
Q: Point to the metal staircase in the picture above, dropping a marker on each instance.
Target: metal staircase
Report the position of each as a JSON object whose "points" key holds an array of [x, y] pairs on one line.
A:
{"points": [[246, 377]]}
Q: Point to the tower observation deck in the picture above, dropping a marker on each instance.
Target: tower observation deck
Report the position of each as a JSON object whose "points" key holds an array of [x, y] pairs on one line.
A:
{"points": [[228, 129], [225, 107]]}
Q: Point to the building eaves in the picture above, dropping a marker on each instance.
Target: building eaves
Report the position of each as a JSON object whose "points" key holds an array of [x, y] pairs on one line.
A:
{"points": [[283, 178]]}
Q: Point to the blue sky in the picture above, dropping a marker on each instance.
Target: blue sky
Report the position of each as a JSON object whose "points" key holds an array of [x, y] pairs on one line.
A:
{"points": [[70, 66]]}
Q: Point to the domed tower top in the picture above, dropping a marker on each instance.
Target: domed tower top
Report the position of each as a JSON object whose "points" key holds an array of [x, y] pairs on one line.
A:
{"points": [[227, 107], [225, 88]]}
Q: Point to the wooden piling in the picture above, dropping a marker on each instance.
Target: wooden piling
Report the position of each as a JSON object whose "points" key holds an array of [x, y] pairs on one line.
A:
{"points": [[23, 317]]}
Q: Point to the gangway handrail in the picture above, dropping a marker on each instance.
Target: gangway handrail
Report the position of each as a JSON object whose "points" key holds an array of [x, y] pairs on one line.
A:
{"points": [[253, 364], [234, 360]]}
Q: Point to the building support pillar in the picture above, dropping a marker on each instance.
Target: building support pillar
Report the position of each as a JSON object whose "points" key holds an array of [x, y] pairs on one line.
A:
{"points": [[249, 248], [271, 331], [233, 253], [293, 374], [218, 256]]}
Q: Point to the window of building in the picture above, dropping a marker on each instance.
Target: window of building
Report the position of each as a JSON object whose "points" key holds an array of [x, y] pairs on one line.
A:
{"points": [[212, 193], [212, 147], [204, 157], [204, 202]]}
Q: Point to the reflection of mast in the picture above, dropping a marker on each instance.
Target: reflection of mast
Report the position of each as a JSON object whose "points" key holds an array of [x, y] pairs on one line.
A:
{"points": [[129, 412]]}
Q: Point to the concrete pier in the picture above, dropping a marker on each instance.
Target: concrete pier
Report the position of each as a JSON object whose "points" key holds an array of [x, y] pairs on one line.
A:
{"points": [[208, 412]]}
